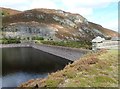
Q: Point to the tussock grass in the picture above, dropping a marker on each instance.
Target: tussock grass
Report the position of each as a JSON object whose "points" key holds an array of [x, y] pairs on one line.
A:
{"points": [[93, 70]]}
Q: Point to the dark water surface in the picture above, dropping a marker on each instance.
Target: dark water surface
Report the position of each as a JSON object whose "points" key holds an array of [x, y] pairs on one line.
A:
{"points": [[21, 64]]}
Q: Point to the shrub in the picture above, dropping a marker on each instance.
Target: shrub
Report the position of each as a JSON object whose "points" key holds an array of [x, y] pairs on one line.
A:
{"points": [[74, 44], [10, 40], [37, 38]]}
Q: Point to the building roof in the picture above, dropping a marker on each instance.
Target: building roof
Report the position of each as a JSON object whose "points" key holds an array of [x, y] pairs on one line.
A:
{"points": [[98, 39]]}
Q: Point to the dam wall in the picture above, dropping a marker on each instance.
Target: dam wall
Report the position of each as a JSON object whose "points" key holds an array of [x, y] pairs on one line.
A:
{"points": [[64, 52]]}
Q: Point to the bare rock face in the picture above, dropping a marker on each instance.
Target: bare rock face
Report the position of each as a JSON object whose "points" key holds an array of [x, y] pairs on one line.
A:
{"points": [[26, 29], [53, 24]]}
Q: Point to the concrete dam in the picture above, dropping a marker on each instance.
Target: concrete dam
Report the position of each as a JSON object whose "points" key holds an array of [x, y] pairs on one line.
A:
{"points": [[64, 52], [25, 61]]}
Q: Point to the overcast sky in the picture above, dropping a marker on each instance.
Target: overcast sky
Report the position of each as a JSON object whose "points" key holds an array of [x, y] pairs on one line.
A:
{"points": [[103, 12]]}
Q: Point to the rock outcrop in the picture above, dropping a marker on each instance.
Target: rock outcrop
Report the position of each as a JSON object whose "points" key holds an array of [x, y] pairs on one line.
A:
{"points": [[52, 24]]}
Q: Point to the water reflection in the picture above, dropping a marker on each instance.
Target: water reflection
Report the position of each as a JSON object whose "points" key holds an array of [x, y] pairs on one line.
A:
{"points": [[22, 64], [0, 82], [19, 77]]}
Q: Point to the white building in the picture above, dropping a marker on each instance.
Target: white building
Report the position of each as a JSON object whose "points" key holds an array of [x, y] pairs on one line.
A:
{"points": [[96, 41], [101, 43]]}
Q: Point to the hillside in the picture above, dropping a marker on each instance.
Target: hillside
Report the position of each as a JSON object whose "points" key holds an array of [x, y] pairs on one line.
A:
{"points": [[53, 24], [8, 11], [93, 70], [106, 31]]}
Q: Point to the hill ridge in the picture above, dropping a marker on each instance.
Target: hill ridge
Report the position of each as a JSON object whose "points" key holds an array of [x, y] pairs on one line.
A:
{"points": [[64, 25]]}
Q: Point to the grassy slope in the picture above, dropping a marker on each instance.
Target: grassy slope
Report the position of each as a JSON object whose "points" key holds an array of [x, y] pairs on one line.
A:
{"points": [[8, 11], [93, 70]]}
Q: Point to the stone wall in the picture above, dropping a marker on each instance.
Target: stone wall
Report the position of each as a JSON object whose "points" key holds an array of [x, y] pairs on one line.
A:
{"points": [[65, 52]]}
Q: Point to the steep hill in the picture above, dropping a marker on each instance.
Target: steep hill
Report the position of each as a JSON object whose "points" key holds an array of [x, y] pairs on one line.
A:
{"points": [[55, 24]]}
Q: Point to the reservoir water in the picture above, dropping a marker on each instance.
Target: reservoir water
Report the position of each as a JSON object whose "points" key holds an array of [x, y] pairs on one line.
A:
{"points": [[22, 64]]}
